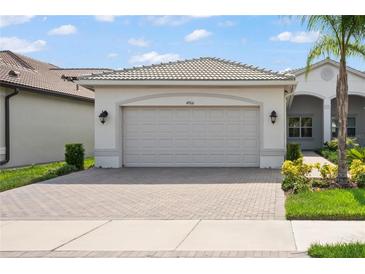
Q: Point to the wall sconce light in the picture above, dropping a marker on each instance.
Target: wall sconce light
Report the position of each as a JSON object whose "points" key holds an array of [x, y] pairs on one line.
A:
{"points": [[273, 116], [102, 116]]}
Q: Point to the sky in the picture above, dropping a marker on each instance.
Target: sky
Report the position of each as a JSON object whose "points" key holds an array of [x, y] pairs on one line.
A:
{"points": [[274, 42]]}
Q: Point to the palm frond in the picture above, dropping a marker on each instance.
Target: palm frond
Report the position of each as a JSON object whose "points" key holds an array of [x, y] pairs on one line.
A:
{"points": [[356, 49], [326, 45]]}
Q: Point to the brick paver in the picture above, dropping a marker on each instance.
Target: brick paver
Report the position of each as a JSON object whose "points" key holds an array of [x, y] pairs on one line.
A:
{"points": [[150, 193]]}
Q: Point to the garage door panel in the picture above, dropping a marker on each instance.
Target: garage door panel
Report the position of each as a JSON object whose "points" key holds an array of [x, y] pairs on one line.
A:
{"points": [[191, 136]]}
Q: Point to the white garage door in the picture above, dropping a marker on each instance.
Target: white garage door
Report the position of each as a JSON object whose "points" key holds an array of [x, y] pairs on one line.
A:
{"points": [[190, 136]]}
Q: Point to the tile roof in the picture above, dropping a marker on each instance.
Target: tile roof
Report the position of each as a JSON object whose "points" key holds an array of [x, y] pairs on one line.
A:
{"points": [[205, 68], [298, 71], [42, 76]]}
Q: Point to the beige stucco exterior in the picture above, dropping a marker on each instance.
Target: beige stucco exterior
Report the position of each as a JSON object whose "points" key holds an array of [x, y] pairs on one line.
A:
{"points": [[108, 136], [41, 124]]}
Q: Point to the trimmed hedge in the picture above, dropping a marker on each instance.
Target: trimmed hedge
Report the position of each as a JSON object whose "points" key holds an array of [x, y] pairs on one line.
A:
{"points": [[293, 152], [74, 155]]}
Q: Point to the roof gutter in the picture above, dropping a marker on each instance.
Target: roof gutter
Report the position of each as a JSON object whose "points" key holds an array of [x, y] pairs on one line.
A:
{"points": [[7, 126], [45, 91]]}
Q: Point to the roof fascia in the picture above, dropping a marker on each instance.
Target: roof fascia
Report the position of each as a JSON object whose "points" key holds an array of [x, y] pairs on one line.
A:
{"points": [[93, 83]]}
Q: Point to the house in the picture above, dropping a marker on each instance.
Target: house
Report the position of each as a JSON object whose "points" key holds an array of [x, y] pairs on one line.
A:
{"points": [[42, 109], [204, 112], [312, 107]]}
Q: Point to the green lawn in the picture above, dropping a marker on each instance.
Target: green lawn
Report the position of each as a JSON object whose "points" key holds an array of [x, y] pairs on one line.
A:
{"points": [[349, 250], [334, 204], [16, 177]]}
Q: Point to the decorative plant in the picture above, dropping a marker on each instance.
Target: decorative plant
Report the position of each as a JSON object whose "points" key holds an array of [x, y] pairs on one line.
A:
{"points": [[341, 36], [74, 155], [357, 153], [328, 172], [357, 170], [293, 152], [295, 175]]}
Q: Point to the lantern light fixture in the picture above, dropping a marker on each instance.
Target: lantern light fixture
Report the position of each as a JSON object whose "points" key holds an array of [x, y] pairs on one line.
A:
{"points": [[273, 116], [102, 116]]}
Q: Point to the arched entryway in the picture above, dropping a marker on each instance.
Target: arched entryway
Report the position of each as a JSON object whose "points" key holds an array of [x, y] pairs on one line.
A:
{"points": [[356, 118], [305, 122]]}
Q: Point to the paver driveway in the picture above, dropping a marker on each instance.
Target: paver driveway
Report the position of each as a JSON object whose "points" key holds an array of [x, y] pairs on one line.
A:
{"points": [[150, 193]]}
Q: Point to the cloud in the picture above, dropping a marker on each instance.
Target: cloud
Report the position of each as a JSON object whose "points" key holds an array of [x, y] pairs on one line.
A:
{"points": [[297, 37], [112, 55], [63, 30], [285, 70], [7, 20], [138, 42], [197, 35], [105, 18], [168, 20], [153, 57], [22, 46], [227, 23], [286, 20]]}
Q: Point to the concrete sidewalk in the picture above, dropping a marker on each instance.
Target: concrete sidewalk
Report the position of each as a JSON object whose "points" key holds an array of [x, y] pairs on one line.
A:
{"points": [[211, 238]]}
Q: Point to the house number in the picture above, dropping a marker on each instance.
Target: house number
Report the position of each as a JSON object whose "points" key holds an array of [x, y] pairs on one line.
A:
{"points": [[189, 102]]}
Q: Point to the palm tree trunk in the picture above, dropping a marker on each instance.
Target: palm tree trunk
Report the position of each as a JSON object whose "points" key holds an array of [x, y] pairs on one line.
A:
{"points": [[342, 111]]}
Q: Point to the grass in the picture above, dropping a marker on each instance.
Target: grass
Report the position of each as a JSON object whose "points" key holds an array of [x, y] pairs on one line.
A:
{"points": [[341, 250], [17, 177], [334, 204]]}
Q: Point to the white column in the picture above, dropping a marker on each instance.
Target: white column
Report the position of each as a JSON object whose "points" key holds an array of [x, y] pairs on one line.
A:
{"points": [[326, 120]]}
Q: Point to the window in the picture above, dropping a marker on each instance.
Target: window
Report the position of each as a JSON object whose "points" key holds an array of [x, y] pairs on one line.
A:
{"points": [[351, 127], [300, 127]]}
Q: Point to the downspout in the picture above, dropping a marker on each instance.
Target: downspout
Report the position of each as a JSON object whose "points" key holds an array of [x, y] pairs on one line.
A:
{"points": [[7, 126]]}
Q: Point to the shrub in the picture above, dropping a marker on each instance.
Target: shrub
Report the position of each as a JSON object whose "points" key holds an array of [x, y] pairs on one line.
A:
{"points": [[320, 183], [328, 172], [295, 184], [74, 155], [295, 173], [293, 152], [288, 183], [65, 169], [357, 170], [296, 168], [361, 180], [330, 155], [357, 153], [333, 144]]}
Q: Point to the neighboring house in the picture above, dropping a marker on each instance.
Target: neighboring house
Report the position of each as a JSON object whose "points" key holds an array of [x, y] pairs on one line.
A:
{"points": [[312, 109], [42, 109], [200, 112]]}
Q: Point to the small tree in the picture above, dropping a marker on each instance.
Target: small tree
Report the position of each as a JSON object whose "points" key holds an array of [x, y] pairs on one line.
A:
{"points": [[74, 155], [341, 36]]}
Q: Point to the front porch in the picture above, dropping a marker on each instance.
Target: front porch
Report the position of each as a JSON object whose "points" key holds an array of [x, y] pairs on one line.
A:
{"points": [[312, 120]]}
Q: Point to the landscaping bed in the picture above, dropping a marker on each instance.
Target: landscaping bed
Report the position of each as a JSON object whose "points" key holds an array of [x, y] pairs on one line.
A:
{"points": [[341, 250], [17, 177], [354, 151], [74, 161], [333, 204], [323, 198]]}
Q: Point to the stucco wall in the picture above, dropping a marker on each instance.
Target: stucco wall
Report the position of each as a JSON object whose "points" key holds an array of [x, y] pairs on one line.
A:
{"points": [[316, 84], [108, 136], [321, 83], [40, 126]]}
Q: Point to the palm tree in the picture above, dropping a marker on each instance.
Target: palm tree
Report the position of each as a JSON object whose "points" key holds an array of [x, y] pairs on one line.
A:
{"points": [[341, 36]]}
